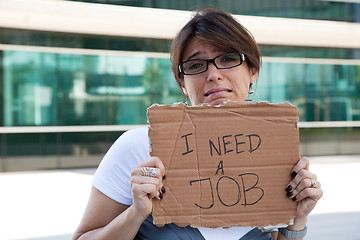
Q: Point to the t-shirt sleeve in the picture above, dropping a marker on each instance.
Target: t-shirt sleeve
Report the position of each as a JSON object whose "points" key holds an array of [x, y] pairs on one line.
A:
{"points": [[113, 174]]}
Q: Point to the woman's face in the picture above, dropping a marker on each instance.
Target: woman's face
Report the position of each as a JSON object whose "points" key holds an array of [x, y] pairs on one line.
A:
{"points": [[215, 85]]}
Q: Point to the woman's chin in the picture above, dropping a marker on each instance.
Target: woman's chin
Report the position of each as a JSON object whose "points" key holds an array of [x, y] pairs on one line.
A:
{"points": [[218, 101]]}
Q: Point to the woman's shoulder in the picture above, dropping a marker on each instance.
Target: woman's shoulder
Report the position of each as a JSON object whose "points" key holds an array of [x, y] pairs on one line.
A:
{"points": [[136, 134], [134, 142]]}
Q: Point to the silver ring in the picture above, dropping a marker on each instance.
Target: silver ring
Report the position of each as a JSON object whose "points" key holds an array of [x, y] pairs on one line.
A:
{"points": [[313, 182], [148, 171]]}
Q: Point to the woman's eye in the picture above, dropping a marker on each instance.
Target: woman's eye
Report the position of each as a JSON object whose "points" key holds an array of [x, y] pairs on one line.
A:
{"points": [[196, 65], [230, 59]]}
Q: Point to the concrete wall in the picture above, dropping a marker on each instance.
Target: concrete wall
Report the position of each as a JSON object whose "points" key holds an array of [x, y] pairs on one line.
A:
{"points": [[11, 164], [330, 147]]}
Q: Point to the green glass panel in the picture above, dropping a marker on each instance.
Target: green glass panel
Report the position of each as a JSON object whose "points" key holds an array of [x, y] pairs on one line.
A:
{"points": [[85, 143], [69, 89], [29, 83], [30, 144], [56, 144], [322, 92]]}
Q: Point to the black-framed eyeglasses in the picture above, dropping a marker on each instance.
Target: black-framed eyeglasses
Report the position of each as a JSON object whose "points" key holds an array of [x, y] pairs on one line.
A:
{"points": [[223, 61]]}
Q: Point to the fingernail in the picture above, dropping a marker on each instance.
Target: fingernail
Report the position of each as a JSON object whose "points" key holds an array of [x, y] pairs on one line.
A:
{"points": [[294, 199], [289, 194], [164, 177], [293, 174], [289, 188], [163, 189], [160, 196]]}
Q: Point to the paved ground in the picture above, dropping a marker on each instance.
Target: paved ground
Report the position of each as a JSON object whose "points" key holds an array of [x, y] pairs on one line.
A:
{"points": [[49, 204]]}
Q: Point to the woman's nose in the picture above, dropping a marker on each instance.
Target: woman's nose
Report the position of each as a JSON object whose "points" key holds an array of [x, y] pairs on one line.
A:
{"points": [[213, 73]]}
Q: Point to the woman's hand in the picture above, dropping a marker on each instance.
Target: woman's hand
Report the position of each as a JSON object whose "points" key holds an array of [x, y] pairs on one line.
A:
{"points": [[145, 188], [304, 188]]}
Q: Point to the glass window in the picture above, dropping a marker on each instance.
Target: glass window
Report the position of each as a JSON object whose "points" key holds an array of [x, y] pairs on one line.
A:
{"points": [[322, 92], [70, 89]]}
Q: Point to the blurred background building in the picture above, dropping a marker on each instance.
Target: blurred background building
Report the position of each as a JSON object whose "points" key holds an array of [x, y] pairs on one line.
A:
{"points": [[74, 75]]}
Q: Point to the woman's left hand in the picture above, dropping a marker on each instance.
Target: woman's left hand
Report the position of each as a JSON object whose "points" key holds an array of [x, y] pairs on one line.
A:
{"points": [[304, 188]]}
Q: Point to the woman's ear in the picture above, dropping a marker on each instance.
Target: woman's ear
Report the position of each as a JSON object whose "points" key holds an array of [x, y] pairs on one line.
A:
{"points": [[253, 75]]}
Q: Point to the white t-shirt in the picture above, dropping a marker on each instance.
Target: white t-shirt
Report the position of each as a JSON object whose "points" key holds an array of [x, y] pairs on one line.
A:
{"points": [[113, 176]]}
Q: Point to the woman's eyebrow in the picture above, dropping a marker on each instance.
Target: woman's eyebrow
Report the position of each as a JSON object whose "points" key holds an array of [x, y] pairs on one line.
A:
{"points": [[193, 55], [199, 52]]}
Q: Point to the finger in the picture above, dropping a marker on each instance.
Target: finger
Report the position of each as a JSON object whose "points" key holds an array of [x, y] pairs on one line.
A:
{"points": [[148, 172], [150, 180], [304, 183], [303, 163], [302, 174], [154, 162], [162, 189], [145, 180], [317, 185], [142, 190], [312, 193]]}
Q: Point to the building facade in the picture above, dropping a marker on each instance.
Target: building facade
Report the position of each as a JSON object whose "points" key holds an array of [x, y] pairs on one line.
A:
{"points": [[76, 74]]}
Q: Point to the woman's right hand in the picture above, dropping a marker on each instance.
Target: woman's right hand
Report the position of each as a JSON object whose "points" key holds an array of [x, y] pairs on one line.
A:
{"points": [[145, 188], [105, 218]]}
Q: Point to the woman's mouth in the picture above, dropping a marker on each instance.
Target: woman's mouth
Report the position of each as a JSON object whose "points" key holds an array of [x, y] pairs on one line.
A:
{"points": [[216, 91]]}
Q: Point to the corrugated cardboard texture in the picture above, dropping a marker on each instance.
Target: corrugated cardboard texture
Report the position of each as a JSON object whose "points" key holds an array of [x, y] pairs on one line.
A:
{"points": [[225, 166]]}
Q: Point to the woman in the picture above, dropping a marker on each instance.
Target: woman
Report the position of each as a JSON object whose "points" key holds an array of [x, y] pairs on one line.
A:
{"points": [[214, 59]]}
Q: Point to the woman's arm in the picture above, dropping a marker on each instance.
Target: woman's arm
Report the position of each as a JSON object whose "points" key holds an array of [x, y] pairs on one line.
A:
{"points": [[105, 218], [306, 191]]}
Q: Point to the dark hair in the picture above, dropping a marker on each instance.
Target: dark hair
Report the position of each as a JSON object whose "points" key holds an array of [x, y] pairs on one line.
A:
{"points": [[219, 29]]}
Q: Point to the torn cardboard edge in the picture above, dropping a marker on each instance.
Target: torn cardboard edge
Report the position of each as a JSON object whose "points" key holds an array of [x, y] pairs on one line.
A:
{"points": [[226, 165]]}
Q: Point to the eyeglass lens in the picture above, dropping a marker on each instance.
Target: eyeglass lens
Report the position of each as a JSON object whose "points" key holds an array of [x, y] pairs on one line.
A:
{"points": [[227, 60]]}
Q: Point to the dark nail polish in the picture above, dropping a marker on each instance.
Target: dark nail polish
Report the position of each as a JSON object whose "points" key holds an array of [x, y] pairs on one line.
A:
{"points": [[289, 188], [289, 194], [160, 196], [163, 189], [294, 199], [164, 177], [293, 174]]}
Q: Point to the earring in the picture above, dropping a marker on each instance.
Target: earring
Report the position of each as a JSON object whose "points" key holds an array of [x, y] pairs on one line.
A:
{"points": [[187, 101], [250, 90]]}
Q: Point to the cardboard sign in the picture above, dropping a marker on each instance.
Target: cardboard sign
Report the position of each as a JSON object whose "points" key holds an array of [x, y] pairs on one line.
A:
{"points": [[225, 166]]}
